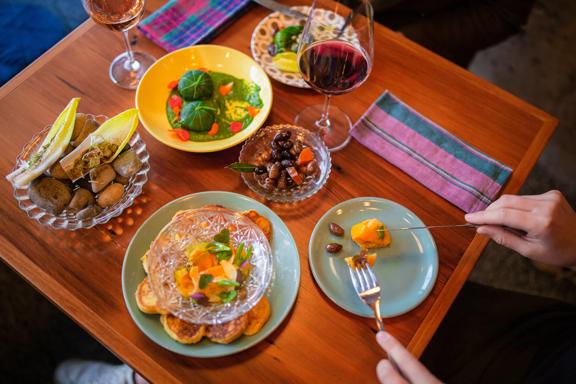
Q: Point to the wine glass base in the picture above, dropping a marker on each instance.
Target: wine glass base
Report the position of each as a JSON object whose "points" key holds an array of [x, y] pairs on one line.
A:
{"points": [[337, 136], [127, 75]]}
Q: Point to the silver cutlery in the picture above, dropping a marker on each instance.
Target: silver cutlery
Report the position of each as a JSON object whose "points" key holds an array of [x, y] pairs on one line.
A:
{"points": [[368, 289], [467, 225]]}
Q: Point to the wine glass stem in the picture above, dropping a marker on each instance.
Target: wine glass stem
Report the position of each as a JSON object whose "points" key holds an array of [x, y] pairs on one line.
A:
{"points": [[131, 60], [324, 122]]}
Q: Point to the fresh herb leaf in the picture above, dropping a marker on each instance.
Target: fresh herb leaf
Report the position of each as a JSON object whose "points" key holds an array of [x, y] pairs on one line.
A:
{"points": [[228, 283], [225, 255], [248, 254], [241, 167], [239, 250], [216, 246], [223, 236], [228, 296], [205, 280]]}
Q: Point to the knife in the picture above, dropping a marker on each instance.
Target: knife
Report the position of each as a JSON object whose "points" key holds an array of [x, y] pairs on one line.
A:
{"points": [[278, 7]]}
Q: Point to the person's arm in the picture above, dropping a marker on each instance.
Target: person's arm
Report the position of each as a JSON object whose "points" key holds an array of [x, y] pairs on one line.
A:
{"points": [[548, 221]]}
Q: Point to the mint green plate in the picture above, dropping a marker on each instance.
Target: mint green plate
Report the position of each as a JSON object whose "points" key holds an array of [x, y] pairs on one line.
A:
{"points": [[282, 292], [407, 269]]}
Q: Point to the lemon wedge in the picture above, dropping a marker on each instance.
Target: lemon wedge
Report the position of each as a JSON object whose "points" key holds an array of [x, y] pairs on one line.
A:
{"points": [[286, 62], [50, 150]]}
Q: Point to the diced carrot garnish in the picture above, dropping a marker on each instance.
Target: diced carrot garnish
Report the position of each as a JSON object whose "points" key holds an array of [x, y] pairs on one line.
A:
{"points": [[214, 271], [226, 88], [175, 101], [306, 156], [213, 130], [182, 134], [235, 126], [252, 111], [293, 173], [205, 262], [173, 84]]}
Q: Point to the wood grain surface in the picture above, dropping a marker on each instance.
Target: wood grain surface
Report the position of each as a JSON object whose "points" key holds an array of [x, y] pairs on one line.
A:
{"points": [[80, 271]]}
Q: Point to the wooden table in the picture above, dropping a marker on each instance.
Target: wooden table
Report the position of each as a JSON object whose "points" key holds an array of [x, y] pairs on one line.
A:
{"points": [[318, 342]]}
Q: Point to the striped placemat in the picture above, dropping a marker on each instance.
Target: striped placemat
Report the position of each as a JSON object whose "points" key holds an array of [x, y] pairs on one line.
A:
{"points": [[434, 157], [181, 23]]}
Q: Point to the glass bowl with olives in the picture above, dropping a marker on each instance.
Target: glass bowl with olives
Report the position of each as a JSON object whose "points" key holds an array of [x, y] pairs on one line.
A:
{"points": [[284, 163]]}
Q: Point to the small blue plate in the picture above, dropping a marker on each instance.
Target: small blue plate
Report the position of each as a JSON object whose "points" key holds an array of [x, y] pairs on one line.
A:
{"points": [[281, 294], [407, 269]]}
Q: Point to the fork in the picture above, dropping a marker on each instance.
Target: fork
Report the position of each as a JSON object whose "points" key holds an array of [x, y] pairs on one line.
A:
{"points": [[368, 289]]}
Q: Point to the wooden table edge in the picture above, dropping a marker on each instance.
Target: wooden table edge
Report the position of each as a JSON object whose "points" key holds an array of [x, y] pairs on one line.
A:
{"points": [[74, 308], [444, 301]]}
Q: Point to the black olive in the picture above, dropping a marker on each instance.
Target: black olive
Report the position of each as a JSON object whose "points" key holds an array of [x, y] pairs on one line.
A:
{"points": [[260, 170], [272, 50], [275, 155], [286, 145], [287, 163], [282, 136]]}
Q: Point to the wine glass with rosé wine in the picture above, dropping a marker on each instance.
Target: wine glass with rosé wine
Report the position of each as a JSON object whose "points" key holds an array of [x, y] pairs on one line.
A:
{"points": [[335, 57], [127, 68]]}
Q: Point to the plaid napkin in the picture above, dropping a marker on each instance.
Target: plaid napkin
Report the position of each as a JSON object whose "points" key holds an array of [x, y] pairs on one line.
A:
{"points": [[434, 157], [180, 23]]}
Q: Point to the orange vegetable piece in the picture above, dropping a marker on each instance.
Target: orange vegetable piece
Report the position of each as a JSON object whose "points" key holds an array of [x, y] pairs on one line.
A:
{"points": [[252, 111], [214, 129], [205, 262], [173, 84], [183, 282], [225, 89], [306, 156], [214, 271]]}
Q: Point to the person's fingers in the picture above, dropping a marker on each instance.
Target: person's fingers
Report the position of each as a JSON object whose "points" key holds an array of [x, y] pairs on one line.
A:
{"points": [[515, 202], [410, 367], [387, 374], [512, 218], [506, 239]]}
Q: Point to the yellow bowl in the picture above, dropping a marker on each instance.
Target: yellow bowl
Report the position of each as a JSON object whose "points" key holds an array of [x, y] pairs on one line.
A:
{"points": [[153, 92]]}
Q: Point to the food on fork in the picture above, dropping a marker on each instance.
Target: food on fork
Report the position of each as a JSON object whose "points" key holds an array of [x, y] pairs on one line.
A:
{"points": [[361, 259], [371, 233]]}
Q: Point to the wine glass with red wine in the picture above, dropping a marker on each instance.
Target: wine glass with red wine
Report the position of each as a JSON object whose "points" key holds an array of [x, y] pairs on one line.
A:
{"points": [[127, 68], [335, 56]]}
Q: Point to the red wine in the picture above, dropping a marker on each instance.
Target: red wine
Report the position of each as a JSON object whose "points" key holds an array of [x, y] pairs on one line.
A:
{"points": [[333, 67]]}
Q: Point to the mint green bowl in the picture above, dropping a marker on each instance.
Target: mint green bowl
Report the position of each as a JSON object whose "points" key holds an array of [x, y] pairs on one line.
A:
{"points": [[406, 270], [281, 293]]}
